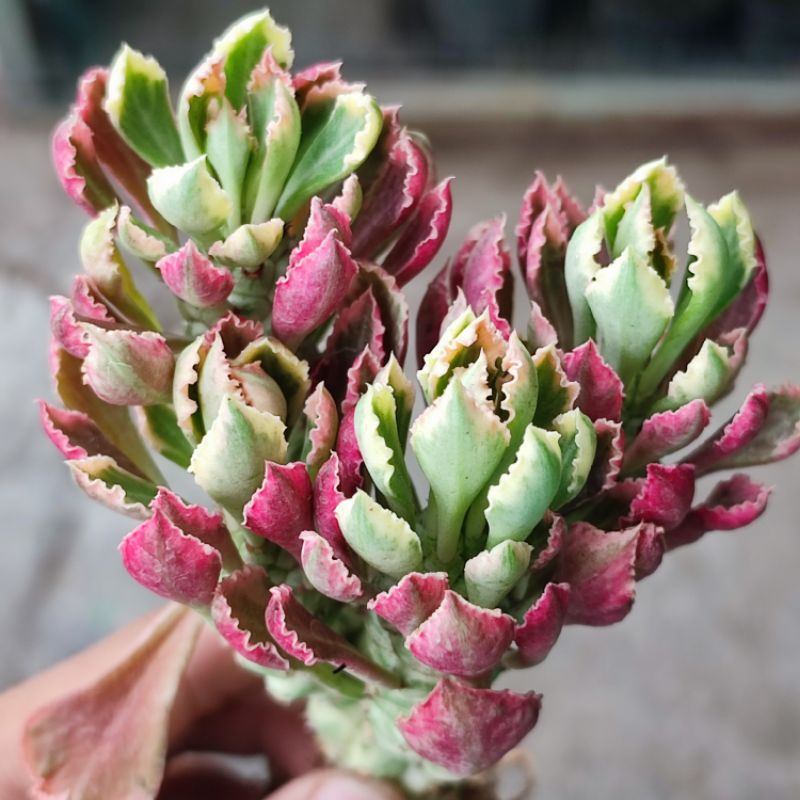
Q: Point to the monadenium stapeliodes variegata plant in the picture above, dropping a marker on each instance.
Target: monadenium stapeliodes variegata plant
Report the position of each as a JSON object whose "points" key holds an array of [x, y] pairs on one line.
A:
{"points": [[284, 212]]}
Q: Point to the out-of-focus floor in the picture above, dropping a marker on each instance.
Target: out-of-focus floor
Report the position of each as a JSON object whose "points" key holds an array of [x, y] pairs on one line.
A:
{"points": [[695, 695]]}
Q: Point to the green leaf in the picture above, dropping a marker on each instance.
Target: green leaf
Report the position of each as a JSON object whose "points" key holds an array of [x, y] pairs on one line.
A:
{"points": [[635, 230], [519, 389], [159, 426], [492, 574], [458, 443], [578, 443], [391, 374], [249, 246], [707, 377], [733, 218], [557, 393], [108, 273], [141, 240], [228, 149], [712, 281], [276, 123], [108, 483], [379, 442], [580, 267], [632, 306], [519, 499], [384, 540], [229, 461], [189, 198], [137, 102], [242, 46], [332, 145]]}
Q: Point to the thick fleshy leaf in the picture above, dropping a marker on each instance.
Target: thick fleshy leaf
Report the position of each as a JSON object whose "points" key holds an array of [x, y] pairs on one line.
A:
{"points": [[580, 268], [327, 497], [249, 246], [321, 428], [281, 508], [713, 279], [204, 87], [351, 461], [159, 427], [310, 640], [275, 120], [432, 311], [460, 638], [458, 444], [541, 332], [547, 543], [467, 729], [312, 289], [125, 167], [482, 270], [600, 567], [326, 573], [381, 538], [666, 432], [391, 374], [137, 102], [109, 737], [766, 429], [423, 236], [76, 436], [107, 273], [628, 295], [665, 496], [114, 421], [77, 167], [127, 368], [108, 483], [238, 610], [337, 137], [578, 445], [379, 443], [733, 503], [66, 328], [707, 377], [518, 501], [193, 278], [229, 461], [190, 198], [393, 193], [609, 449], [411, 600], [541, 625], [178, 552], [141, 240], [557, 394], [492, 574], [601, 391]]}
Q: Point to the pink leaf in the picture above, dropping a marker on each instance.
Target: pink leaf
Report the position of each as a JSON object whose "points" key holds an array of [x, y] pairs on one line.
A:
{"points": [[77, 167], [423, 236], [193, 278], [311, 290], [432, 311], [238, 610], [608, 457], [460, 638], [320, 410], [601, 390], [327, 496], [350, 459], [733, 503], [411, 601], [541, 625], [178, 552], [281, 509], [393, 194], [466, 729], [310, 640], [109, 738], [326, 573], [556, 531], [236, 332], [76, 435], [600, 567], [666, 432], [541, 332], [665, 496]]}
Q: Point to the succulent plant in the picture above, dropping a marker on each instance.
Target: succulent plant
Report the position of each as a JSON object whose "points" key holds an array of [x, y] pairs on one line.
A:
{"points": [[284, 213]]}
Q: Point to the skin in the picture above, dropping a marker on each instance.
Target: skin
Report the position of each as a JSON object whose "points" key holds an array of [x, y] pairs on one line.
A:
{"points": [[220, 708]]}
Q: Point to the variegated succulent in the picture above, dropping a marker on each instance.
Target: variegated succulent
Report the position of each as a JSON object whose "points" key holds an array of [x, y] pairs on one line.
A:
{"points": [[284, 213]]}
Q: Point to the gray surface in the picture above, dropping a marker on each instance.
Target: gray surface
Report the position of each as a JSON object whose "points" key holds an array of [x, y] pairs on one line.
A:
{"points": [[695, 695]]}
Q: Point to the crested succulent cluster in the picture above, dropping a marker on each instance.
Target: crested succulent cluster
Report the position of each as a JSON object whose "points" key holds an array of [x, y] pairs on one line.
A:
{"points": [[284, 212]]}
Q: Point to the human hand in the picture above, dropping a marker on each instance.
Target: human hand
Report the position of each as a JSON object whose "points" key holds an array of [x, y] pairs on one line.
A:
{"points": [[219, 709]]}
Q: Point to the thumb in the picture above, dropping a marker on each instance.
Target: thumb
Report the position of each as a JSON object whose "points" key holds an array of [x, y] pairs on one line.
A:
{"points": [[335, 785]]}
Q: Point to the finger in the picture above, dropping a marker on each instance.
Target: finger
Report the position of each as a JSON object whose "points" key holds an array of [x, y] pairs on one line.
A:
{"points": [[335, 785]]}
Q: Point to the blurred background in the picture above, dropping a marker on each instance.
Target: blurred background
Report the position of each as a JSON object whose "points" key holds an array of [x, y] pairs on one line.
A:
{"points": [[697, 693]]}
